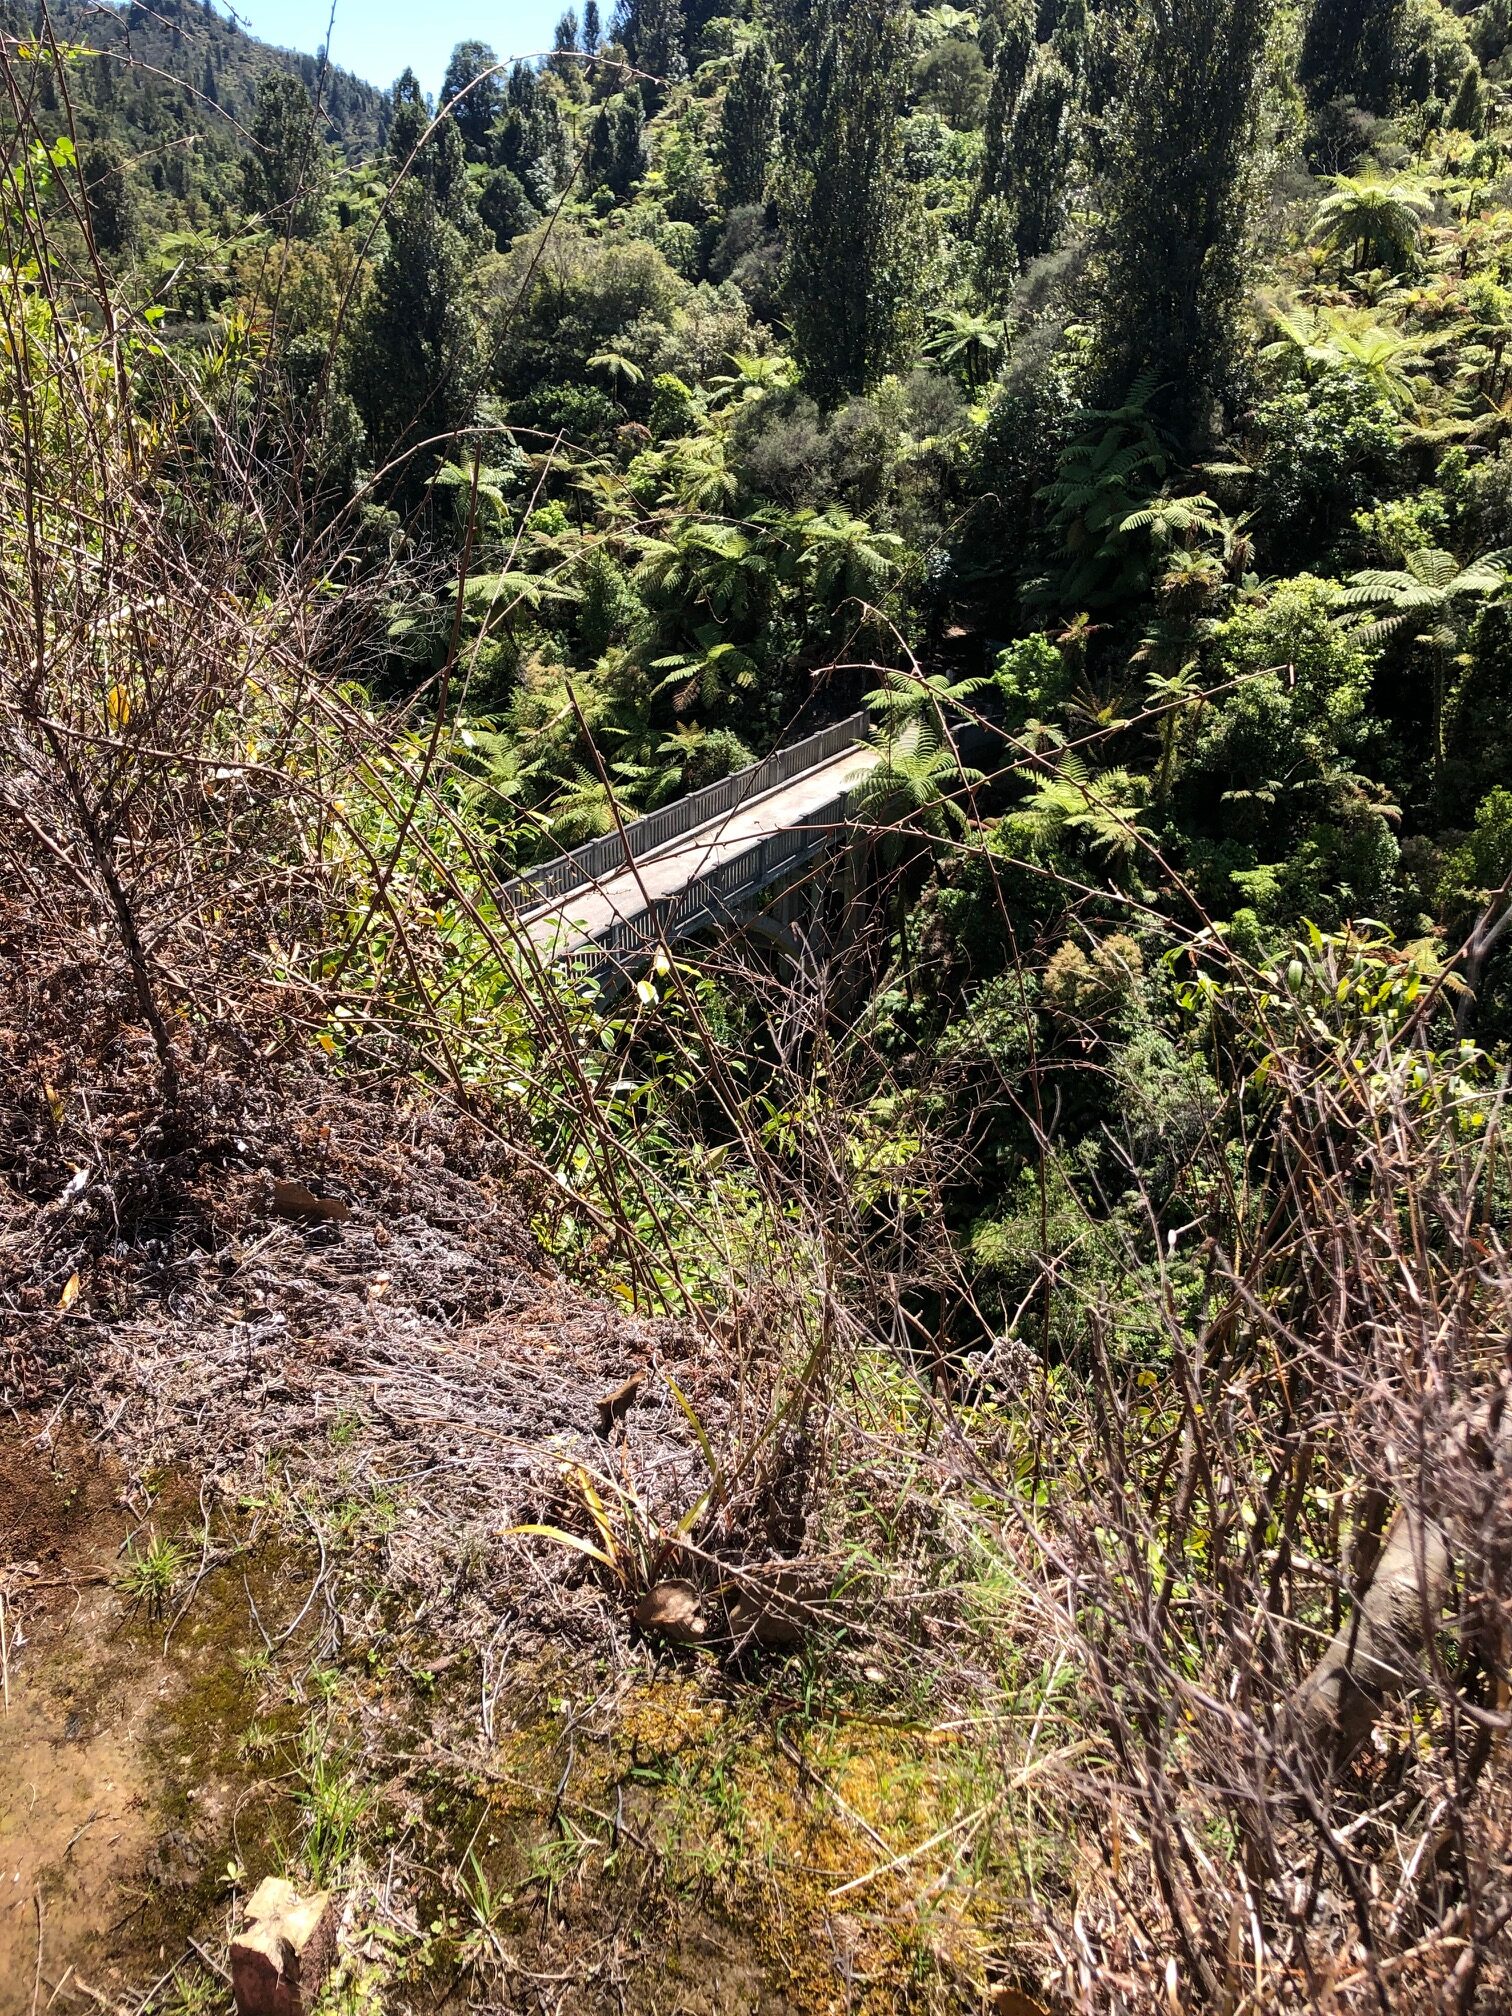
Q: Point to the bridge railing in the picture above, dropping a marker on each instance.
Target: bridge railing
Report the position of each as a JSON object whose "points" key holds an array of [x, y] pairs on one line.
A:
{"points": [[722, 896], [598, 859]]}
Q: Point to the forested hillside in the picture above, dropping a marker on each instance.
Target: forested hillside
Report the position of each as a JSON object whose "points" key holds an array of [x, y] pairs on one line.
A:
{"points": [[165, 95], [1045, 1545]]}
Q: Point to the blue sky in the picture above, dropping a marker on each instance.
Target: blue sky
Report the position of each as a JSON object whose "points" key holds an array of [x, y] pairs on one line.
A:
{"points": [[376, 38]]}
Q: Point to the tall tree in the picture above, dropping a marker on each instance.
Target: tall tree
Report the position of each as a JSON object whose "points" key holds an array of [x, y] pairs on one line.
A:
{"points": [[615, 156], [654, 33], [853, 221], [413, 370], [504, 207], [1349, 50], [593, 30], [747, 132], [1036, 165], [1072, 31], [1010, 67], [108, 196], [1467, 113], [530, 138], [1177, 200], [566, 48], [409, 115], [1102, 78], [1020, 209], [285, 176], [473, 64], [994, 216], [436, 158]]}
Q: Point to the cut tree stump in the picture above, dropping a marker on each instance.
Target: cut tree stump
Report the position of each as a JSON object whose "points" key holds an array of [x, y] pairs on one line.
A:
{"points": [[672, 1609], [1378, 1651], [281, 1957]]}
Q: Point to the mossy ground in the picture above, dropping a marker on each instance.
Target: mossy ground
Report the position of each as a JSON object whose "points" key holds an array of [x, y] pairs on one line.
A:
{"points": [[837, 1857], [663, 1833]]}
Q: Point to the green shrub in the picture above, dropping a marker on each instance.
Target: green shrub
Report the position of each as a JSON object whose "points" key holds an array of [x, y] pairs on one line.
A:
{"points": [[1329, 450]]}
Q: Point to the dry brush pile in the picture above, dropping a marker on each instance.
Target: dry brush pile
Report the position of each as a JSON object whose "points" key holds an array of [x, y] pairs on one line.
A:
{"points": [[1267, 1522]]}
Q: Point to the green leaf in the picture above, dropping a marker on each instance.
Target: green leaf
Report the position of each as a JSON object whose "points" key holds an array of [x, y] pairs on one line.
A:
{"points": [[563, 1539]]}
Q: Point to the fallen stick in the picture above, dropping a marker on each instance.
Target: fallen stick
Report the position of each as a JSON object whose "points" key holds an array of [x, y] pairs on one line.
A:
{"points": [[37, 1977], [214, 1965]]}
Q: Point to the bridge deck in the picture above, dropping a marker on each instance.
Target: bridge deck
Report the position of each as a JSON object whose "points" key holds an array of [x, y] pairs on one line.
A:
{"points": [[577, 920]]}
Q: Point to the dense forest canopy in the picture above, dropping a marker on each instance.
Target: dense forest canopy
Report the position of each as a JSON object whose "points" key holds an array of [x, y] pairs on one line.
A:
{"points": [[1114, 398], [1163, 341], [161, 74]]}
